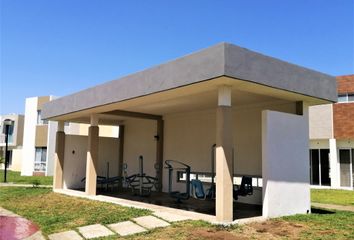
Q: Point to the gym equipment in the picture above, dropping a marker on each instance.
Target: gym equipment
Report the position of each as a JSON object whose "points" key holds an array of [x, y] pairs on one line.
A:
{"points": [[140, 183], [245, 188], [211, 192], [197, 186], [173, 165], [197, 190]]}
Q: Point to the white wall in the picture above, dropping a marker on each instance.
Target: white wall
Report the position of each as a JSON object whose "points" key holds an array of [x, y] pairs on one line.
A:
{"points": [[334, 164], [16, 159], [29, 134], [75, 159], [285, 164]]}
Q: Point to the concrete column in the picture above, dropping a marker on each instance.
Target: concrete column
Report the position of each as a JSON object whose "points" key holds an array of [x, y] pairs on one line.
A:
{"points": [[121, 153], [59, 157], [223, 157], [159, 152], [333, 163], [92, 157]]}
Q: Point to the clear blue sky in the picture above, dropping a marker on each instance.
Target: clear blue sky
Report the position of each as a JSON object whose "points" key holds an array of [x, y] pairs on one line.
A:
{"points": [[59, 47]]}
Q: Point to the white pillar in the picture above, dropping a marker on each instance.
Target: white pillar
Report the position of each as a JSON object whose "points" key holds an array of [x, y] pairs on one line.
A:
{"points": [[333, 163], [223, 158], [92, 157]]}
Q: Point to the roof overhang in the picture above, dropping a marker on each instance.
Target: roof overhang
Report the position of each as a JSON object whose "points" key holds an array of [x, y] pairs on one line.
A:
{"points": [[201, 72]]}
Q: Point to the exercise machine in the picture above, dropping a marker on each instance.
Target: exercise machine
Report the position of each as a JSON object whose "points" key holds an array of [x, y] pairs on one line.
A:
{"points": [[197, 189], [245, 188], [141, 184], [172, 166]]}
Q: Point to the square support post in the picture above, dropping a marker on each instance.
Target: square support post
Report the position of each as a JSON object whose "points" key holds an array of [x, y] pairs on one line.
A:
{"points": [[224, 171], [92, 157], [121, 153], [159, 152], [59, 157]]}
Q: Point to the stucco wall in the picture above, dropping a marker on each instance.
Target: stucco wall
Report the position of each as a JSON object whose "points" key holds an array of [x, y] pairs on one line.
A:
{"points": [[286, 188], [321, 121], [16, 159], [139, 140], [75, 159], [189, 137], [29, 137]]}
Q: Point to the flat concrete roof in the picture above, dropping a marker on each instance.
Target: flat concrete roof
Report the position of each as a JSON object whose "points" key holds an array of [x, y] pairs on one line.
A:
{"points": [[223, 59]]}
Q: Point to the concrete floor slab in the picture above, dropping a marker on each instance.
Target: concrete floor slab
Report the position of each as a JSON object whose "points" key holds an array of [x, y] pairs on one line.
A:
{"points": [[150, 222], [68, 235], [126, 228], [171, 217], [95, 231]]}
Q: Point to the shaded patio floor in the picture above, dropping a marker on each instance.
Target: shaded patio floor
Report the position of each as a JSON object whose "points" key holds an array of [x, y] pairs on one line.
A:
{"points": [[241, 210]]}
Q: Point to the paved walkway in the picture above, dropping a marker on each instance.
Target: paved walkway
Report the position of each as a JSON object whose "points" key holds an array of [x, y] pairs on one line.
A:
{"points": [[333, 206], [22, 185], [19, 222], [135, 226]]}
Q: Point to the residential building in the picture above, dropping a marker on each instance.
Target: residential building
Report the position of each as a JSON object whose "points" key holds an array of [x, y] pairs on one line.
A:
{"points": [[332, 139], [14, 140], [40, 135], [251, 107]]}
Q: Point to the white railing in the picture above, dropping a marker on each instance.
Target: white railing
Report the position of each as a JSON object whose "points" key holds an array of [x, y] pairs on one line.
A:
{"points": [[40, 167]]}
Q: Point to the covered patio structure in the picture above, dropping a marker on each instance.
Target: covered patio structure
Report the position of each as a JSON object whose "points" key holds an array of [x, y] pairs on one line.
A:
{"points": [[252, 108]]}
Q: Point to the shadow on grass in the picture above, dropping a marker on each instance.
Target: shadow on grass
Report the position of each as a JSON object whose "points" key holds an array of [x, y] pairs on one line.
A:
{"points": [[321, 211]]}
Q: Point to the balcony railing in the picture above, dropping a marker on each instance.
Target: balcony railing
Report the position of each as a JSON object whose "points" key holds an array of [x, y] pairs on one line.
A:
{"points": [[40, 167]]}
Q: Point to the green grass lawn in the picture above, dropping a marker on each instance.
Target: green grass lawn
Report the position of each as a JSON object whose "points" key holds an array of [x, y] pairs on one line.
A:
{"points": [[15, 177], [324, 225], [331, 196], [55, 212]]}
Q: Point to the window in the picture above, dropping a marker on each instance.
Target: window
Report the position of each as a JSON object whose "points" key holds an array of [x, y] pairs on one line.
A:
{"points": [[40, 121], [40, 160], [350, 97], [319, 167], [345, 97], [342, 98], [11, 132]]}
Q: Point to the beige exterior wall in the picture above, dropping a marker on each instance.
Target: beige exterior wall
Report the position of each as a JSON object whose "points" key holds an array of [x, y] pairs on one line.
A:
{"points": [[17, 131], [319, 144], [41, 101], [190, 136], [321, 121], [75, 159], [139, 140], [41, 137], [105, 131]]}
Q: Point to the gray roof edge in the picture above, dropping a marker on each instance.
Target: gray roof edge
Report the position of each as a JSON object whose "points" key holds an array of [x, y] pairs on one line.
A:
{"points": [[248, 65], [223, 59]]}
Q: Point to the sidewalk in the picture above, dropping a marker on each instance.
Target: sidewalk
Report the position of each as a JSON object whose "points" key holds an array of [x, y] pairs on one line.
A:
{"points": [[14, 226], [333, 206], [10, 184]]}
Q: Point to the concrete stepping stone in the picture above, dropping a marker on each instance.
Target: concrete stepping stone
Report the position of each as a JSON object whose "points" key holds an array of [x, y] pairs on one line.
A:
{"points": [[150, 222], [171, 217], [95, 231], [126, 228], [68, 235]]}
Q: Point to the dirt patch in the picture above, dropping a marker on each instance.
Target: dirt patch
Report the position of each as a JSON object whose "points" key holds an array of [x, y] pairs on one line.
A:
{"points": [[278, 229]]}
